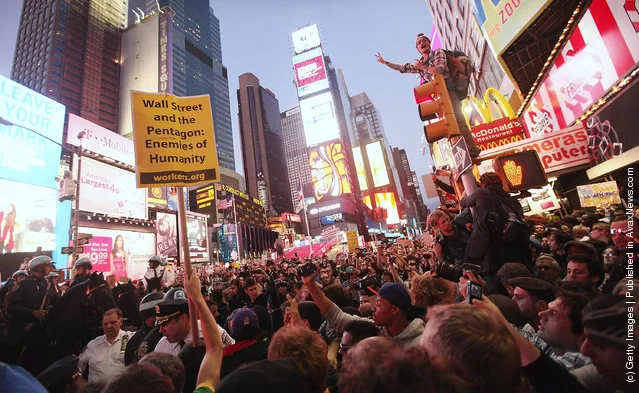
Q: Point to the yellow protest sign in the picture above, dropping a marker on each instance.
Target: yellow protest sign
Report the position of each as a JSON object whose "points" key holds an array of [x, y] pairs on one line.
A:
{"points": [[351, 240], [174, 140]]}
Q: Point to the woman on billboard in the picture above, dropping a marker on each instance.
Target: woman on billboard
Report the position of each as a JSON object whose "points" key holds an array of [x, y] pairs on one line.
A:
{"points": [[7, 244], [118, 258]]}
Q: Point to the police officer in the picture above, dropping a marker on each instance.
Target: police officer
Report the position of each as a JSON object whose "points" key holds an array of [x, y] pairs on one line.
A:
{"points": [[147, 332], [82, 271], [154, 275], [54, 277], [10, 286], [28, 306]]}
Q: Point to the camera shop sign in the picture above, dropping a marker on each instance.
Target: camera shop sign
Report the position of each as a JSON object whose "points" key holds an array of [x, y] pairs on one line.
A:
{"points": [[557, 150]]}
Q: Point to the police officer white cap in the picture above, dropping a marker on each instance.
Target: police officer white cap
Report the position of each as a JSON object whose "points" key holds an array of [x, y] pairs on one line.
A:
{"points": [[157, 259], [149, 301], [19, 273], [39, 261], [83, 262]]}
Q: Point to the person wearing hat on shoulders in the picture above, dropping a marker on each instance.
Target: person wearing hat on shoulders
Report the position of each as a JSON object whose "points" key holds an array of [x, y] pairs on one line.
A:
{"points": [[81, 271], [392, 312], [172, 315], [31, 301], [154, 275], [104, 355], [147, 315]]}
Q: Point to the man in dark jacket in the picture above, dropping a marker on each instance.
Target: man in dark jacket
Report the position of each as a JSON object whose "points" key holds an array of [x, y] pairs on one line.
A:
{"points": [[249, 346], [147, 313], [486, 246]]}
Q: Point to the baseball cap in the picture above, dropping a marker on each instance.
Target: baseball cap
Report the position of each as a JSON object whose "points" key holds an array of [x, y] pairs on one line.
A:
{"points": [[244, 324], [396, 294]]}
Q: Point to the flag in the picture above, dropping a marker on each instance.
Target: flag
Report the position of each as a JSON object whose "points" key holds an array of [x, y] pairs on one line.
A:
{"points": [[300, 206], [300, 193], [225, 203]]}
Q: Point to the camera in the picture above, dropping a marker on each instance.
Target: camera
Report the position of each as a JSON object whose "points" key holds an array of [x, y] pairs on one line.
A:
{"points": [[307, 269], [366, 282], [473, 291], [448, 271]]}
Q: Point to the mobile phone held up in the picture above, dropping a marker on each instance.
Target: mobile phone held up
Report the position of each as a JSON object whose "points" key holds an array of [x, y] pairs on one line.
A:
{"points": [[473, 291]]}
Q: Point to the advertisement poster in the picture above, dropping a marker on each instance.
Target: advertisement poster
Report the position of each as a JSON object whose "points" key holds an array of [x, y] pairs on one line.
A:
{"points": [[328, 170], [498, 133], [196, 235], [228, 242], [377, 163], [110, 190], [599, 194], [602, 49], [359, 167], [174, 140], [128, 252], [27, 157], [503, 20], [319, 118], [310, 72], [100, 140], [27, 217], [306, 38], [166, 228]]}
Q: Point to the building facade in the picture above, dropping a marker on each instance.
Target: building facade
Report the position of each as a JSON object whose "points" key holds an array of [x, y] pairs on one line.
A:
{"points": [[263, 145], [459, 30], [197, 61], [70, 52], [299, 173]]}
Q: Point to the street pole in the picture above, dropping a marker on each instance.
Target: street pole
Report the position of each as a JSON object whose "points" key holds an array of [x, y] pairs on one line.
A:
{"points": [[237, 232], [308, 230], [76, 211]]}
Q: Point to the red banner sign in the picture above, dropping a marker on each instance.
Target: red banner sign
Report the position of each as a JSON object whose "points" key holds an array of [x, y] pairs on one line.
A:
{"points": [[600, 51], [498, 133]]}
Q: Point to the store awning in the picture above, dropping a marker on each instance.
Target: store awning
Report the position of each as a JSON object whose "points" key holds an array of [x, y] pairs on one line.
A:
{"points": [[618, 162]]}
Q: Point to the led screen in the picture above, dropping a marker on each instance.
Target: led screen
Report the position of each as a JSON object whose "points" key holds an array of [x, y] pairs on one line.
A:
{"points": [[310, 72], [196, 234], [166, 229], [27, 217], [361, 170], [306, 38], [328, 170], [387, 201], [320, 121], [377, 164]]}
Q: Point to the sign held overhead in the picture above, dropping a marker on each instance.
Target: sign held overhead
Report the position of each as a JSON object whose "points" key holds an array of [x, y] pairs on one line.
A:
{"points": [[174, 140]]}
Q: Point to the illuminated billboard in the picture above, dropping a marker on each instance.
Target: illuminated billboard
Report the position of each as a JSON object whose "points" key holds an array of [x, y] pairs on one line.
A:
{"points": [[359, 167], [306, 38], [319, 118], [387, 201], [197, 237], [329, 173], [310, 72], [166, 228], [377, 164]]}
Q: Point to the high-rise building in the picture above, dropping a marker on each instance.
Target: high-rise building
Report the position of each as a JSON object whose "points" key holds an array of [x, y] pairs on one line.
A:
{"points": [[459, 30], [367, 123], [414, 201], [299, 173], [197, 61], [263, 155], [70, 52]]}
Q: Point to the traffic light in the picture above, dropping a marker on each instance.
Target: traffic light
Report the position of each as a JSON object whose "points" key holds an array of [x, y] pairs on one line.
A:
{"points": [[434, 103], [520, 171]]}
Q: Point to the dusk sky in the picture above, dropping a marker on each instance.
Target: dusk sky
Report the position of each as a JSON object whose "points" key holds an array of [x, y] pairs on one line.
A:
{"points": [[256, 38]]}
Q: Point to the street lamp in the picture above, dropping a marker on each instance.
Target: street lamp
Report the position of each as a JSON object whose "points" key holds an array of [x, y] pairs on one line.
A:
{"points": [[76, 212]]}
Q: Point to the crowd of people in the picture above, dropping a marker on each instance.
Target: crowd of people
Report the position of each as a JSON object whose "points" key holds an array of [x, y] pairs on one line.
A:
{"points": [[549, 312]]}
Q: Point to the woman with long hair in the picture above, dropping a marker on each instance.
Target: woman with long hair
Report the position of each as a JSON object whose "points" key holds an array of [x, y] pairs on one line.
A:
{"points": [[7, 243], [118, 257]]}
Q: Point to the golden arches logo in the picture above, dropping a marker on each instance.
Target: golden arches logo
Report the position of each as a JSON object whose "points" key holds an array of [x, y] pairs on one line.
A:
{"points": [[477, 112], [501, 142]]}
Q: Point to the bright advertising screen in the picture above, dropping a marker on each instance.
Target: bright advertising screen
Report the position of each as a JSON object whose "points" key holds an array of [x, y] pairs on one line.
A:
{"points": [[197, 238], [377, 164], [319, 118], [110, 190], [123, 253], [27, 217], [387, 201], [306, 38], [329, 173], [359, 167], [310, 72]]}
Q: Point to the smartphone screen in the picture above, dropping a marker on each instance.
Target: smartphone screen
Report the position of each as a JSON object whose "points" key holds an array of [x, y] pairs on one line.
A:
{"points": [[473, 291]]}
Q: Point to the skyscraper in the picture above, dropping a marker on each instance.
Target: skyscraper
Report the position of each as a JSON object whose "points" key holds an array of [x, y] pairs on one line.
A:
{"points": [[296, 151], [70, 51], [263, 145], [197, 61], [367, 124]]}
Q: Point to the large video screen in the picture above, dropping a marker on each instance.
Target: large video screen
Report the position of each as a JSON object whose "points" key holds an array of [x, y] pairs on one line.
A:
{"points": [[377, 163], [166, 229], [197, 238], [387, 201], [119, 252], [310, 72], [27, 217], [319, 118], [329, 173], [306, 38], [360, 168]]}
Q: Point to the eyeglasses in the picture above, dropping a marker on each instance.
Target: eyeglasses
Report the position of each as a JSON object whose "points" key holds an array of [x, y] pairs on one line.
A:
{"points": [[344, 347]]}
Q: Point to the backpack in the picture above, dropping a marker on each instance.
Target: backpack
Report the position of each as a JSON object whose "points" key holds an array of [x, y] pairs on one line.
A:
{"points": [[460, 70], [504, 222]]}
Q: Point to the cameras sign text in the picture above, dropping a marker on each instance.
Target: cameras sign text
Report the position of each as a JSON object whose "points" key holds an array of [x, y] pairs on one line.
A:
{"points": [[174, 140]]}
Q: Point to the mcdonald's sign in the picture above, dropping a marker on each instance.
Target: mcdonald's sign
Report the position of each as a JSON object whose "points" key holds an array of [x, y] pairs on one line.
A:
{"points": [[488, 132]]}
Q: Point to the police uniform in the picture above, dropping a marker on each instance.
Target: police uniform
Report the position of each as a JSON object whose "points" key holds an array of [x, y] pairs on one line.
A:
{"points": [[147, 306], [80, 278]]}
